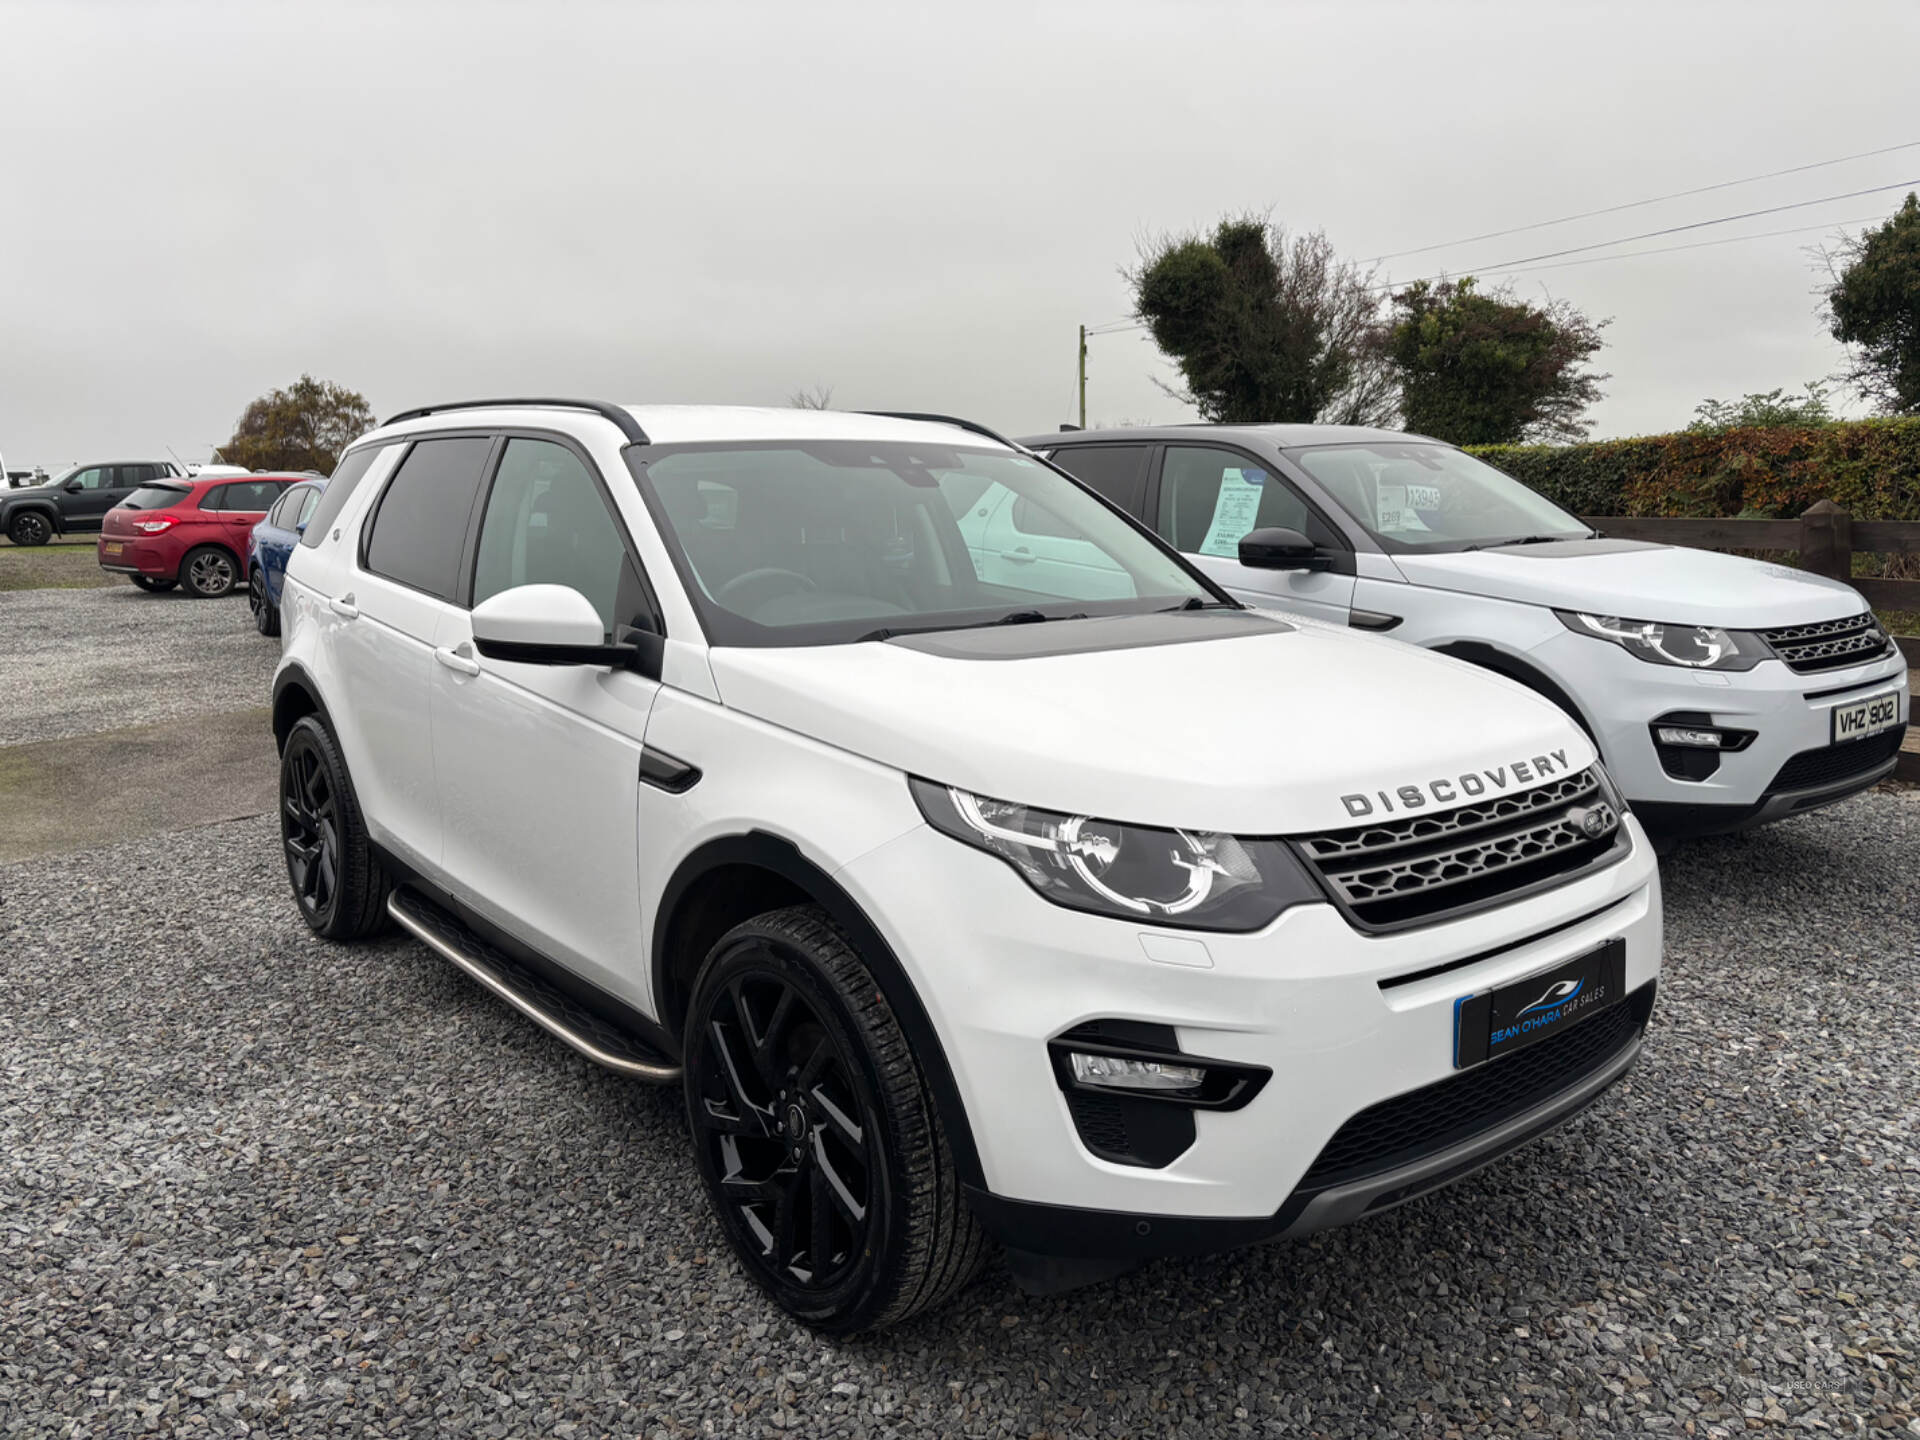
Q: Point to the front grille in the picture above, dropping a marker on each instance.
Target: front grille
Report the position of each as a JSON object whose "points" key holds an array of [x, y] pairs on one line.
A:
{"points": [[1424, 1122], [1422, 869], [1831, 764], [1830, 644]]}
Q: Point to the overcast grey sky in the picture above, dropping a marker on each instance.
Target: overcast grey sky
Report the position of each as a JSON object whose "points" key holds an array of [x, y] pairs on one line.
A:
{"points": [[915, 204]]}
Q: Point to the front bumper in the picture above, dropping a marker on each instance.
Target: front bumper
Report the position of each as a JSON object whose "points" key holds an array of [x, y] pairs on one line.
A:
{"points": [[1343, 1021], [1068, 1233], [1784, 770]]}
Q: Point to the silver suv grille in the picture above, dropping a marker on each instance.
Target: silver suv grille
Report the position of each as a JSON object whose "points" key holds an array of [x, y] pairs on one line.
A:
{"points": [[1829, 644], [1421, 869]]}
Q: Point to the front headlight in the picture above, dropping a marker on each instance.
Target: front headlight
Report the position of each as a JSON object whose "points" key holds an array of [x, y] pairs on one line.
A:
{"points": [[1694, 647], [1195, 879]]}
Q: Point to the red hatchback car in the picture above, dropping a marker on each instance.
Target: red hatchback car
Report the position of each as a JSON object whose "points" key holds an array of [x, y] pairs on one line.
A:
{"points": [[191, 533]]}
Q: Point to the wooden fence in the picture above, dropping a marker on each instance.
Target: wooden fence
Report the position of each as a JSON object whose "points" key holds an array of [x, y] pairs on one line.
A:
{"points": [[1824, 539]]}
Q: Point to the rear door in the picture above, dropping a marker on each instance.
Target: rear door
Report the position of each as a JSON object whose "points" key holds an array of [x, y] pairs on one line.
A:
{"points": [[246, 505], [539, 765], [126, 480], [1210, 497], [389, 602]]}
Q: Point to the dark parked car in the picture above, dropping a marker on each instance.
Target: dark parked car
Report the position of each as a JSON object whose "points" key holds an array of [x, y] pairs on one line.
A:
{"points": [[76, 501], [273, 541]]}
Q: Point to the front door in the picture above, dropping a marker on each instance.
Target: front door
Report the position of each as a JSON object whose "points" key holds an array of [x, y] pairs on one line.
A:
{"points": [[539, 765], [90, 493], [1211, 497]]}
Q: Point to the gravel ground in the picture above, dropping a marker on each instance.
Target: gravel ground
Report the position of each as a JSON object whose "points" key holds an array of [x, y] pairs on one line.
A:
{"points": [[252, 1182], [77, 661]]}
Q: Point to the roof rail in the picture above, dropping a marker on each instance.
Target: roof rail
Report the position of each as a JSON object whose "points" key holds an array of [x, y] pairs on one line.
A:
{"points": [[619, 415], [974, 425]]}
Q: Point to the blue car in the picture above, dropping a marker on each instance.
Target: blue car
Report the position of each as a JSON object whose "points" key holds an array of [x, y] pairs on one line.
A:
{"points": [[271, 544]]}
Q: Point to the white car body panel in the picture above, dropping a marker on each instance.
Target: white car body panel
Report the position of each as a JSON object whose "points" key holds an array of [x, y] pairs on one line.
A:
{"points": [[1034, 730], [1656, 582], [1302, 997], [516, 789]]}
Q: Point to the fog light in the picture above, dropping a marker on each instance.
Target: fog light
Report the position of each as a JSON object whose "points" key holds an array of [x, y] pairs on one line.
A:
{"points": [[1698, 739], [1109, 1072]]}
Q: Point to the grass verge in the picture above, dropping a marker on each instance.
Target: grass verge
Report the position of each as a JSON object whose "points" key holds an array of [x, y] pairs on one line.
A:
{"points": [[69, 563]]}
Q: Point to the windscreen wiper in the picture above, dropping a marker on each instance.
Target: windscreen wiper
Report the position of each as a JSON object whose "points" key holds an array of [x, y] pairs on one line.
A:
{"points": [[1194, 602], [1529, 540], [1016, 617]]}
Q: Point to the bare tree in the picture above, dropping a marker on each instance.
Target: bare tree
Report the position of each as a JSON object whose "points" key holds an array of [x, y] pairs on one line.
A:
{"points": [[812, 397], [1267, 326]]}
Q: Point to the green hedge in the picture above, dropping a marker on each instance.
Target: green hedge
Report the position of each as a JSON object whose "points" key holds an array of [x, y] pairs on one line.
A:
{"points": [[1871, 467]]}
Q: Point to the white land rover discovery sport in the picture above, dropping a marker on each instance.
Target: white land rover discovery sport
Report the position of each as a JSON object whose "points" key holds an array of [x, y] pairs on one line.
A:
{"points": [[1076, 907]]}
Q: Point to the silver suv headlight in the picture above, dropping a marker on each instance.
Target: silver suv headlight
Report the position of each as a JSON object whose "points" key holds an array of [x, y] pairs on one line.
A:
{"points": [[1694, 647], [1196, 879]]}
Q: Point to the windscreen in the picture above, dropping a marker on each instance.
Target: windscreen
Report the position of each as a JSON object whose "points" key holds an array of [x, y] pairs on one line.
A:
{"points": [[1416, 496], [155, 497], [791, 543]]}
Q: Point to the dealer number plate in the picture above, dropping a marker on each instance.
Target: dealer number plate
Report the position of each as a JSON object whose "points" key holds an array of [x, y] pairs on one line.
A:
{"points": [[1545, 1004], [113, 547], [1866, 717]]}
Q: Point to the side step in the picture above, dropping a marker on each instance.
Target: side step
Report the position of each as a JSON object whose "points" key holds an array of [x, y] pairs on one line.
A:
{"points": [[554, 1011]]}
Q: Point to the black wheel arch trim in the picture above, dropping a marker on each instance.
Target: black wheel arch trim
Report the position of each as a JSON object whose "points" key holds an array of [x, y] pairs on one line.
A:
{"points": [[1505, 662], [783, 858], [34, 507], [295, 676]]}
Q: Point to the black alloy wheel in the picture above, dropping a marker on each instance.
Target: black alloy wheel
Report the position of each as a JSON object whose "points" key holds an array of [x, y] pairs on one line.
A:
{"points": [[792, 1129], [814, 1131], [32, 528], [266, 615], [310, 830], [338, 882], [208, 572]]}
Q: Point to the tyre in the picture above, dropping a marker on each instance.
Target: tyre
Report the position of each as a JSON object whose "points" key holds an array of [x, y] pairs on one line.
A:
{"points": [[337, 881], [815, 1133], [208, 573], [266, 615], [151, 585], [31, 528]]}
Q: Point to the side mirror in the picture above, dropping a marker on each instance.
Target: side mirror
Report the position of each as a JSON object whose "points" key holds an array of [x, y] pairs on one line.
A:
{"points": [[545, 625], [1277, 548], [73, 487]]}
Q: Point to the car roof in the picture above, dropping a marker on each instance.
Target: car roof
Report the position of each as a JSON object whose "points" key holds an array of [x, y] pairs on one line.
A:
{"points": [[698, 424], [1287, 437]]}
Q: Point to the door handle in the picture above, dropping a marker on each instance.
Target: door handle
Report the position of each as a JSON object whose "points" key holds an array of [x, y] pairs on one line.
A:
{"points": [[1021, 556], [344, 607], [456, 662]]}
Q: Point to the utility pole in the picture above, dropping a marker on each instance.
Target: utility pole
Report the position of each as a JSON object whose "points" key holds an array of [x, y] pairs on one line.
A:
{"points": [[1083, 377]]}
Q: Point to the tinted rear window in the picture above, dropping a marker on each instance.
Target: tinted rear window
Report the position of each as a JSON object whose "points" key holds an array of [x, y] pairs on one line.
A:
{"points": [[156, 497], [346, 478], [252, 495], [418, 532]]}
